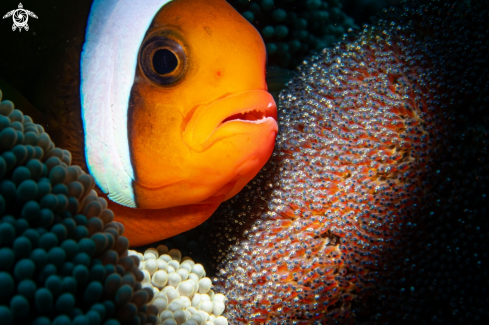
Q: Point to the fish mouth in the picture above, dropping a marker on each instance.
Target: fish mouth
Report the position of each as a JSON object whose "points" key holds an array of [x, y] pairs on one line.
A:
{"points": [[253, 116], [235, 114]]}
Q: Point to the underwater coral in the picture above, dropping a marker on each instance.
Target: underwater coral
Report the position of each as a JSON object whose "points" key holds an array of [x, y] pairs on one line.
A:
{"points": [[63, 258], [373, 203]]}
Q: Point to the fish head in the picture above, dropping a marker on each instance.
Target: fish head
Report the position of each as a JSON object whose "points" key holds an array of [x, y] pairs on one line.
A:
{"points": [[201, 123]]}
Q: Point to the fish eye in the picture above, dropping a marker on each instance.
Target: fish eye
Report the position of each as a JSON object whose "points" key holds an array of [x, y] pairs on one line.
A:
{"points": [[163, 60]]}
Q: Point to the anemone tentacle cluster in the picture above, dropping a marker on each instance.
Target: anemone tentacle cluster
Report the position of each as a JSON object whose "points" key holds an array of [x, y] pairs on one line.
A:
{"points": [[366, 131], [182, 292], [63, 258], [293, 28]]}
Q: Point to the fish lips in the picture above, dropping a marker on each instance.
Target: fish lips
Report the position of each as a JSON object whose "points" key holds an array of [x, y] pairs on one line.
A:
{"points": [[226, 117]]}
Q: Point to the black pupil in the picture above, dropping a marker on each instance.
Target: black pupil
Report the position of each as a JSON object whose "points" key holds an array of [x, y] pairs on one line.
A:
{"points": [[164, 61]]}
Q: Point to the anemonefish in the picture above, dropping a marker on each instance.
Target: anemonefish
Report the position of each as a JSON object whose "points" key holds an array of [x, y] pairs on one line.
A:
{"points": [[175, 111]]}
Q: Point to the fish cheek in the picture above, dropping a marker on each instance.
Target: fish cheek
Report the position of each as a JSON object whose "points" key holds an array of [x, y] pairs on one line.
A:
{"points": [[152, 139], [133, 130]]}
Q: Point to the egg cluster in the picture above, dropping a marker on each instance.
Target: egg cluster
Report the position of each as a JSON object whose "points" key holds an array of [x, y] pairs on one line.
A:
{"points": [[441, 275], [358, 176], [182, 293], [63, 260], [292, 28], [351, 162]]}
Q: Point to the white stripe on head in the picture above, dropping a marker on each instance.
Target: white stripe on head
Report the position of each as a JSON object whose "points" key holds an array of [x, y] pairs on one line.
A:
{"points": [[115, 31]]}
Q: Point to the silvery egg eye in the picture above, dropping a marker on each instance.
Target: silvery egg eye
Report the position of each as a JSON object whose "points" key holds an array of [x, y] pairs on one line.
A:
{"points": [[163, 60]]}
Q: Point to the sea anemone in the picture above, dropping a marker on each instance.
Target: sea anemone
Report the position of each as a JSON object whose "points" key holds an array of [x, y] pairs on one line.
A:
{"points": [[182, 292], [293, 28], [368, 161], [63, 258]]}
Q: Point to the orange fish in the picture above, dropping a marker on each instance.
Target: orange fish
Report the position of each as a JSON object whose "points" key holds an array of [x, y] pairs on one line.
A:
{"points": [[175, 110]]}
